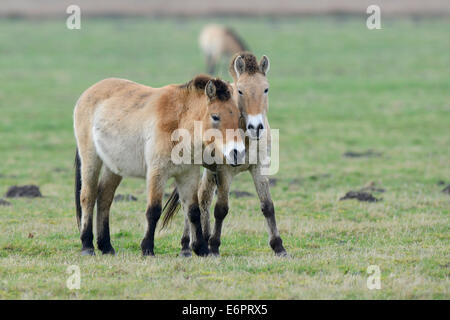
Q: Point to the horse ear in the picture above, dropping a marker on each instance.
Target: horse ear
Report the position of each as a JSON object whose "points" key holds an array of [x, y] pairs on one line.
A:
{"points": [[264, 64], [210, 90], [239, 66]]}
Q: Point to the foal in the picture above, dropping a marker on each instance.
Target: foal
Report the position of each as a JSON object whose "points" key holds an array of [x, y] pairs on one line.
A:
{"points": [[251, 94], [127, 128]]}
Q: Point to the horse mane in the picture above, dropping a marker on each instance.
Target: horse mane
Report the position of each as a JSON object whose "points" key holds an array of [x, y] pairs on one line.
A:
{"points": [[235, 36], [251, 64], [198, 84]]}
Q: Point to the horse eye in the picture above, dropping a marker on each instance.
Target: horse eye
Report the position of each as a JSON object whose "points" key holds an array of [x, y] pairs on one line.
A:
{"points": [[266, 90], [215, 118], [240, 92]]}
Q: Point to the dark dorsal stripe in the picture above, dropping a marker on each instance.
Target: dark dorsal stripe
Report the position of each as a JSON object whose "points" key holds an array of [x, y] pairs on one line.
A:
{"points": [[199, 83]]}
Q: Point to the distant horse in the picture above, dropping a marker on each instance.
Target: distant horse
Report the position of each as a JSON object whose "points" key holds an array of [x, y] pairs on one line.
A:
{"points": [[126, 127], [251, 93], [218, 41]]}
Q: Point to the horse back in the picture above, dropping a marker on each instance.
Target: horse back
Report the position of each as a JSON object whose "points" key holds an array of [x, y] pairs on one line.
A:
{"points": [[119, 118]]}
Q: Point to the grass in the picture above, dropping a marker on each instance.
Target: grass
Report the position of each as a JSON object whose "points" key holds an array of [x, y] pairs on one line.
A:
{"points": [[335, 87]]}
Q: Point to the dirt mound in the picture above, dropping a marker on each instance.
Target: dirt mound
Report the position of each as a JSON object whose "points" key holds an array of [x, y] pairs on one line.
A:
{"points": [[29, 191], [360, 196], [365, 154]]}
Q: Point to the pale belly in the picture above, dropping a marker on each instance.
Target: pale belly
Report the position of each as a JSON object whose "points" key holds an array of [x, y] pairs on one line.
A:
{"points": [[234, 170], [123, 154]]}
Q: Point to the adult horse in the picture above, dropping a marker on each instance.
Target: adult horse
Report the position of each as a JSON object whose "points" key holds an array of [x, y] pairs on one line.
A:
{"points": [[127, 128], [217, 41], [250, 92]]}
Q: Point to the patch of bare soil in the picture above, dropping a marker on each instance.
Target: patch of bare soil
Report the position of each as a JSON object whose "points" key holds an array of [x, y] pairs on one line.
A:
{"points": [[365, 193], [360, 196], [29, 191], [124, 197], [365, 154]]}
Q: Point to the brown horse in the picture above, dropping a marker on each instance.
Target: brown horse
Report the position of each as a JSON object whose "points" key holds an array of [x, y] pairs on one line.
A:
{"points": [[218, 41], [127, 128], [250, 92]]}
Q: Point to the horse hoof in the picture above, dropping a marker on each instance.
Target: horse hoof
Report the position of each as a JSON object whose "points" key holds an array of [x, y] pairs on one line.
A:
{"points": [[185, 253], [201, 249], [214, 254], [110, 251], [282, 254], [147, 253], [88, 252]]}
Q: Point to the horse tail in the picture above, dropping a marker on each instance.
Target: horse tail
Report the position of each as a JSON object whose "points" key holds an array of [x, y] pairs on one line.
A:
{"points": [[171, 208], [78, 188]]}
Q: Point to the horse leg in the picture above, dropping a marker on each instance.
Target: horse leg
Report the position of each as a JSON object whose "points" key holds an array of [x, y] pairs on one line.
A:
{"points": [[185, 239], [155, 189], [90, 170], [205, 194], [220, 210], [262, 188], [210, 64], [205, 197], [108, 184], [187, 186]]}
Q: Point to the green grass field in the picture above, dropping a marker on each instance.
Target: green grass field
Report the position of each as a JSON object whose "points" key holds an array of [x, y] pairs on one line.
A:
{"points": [[335, 87]]}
